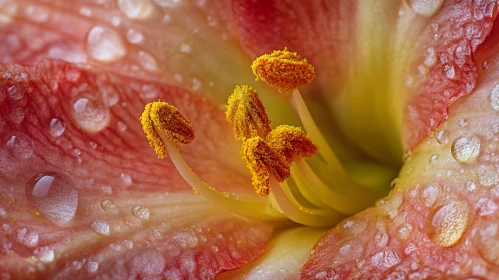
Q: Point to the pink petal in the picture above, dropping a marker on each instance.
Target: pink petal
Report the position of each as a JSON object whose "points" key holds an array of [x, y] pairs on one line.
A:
{"points": [[55, 117], [440, 221]]}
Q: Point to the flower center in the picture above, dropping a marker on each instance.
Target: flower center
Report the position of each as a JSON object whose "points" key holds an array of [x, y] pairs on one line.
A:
{"points": [[315, 192]]}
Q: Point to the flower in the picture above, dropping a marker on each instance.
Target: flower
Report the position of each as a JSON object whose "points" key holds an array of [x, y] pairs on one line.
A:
{"points": [[83, 195]]}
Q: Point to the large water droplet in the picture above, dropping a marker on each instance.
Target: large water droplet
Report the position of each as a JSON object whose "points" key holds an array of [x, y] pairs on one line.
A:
{"points": [[136, 9], [91, 114], [108, 205], [141, 212], [20, 145], [15, 93], [105, 44], [57, 127], [487, 175], [487, 242], [425, 8], [54, 195], [28, 238], [448, 223], [494, 98], [385, 258], [465, 149]]}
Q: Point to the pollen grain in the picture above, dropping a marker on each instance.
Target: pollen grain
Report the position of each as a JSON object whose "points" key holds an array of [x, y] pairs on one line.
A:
{"points": [[283, 69]]}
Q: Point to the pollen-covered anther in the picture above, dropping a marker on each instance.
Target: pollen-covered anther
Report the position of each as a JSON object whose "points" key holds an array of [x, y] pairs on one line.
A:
{"points": [[283, 69], [291, 142], [264, 164], [247, 114], [161, 117]]}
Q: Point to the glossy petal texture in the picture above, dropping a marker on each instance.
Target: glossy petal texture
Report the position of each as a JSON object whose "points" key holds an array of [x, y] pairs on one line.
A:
{"points": [[440, 221], [372, 56], [283, 258], [135, 215]]}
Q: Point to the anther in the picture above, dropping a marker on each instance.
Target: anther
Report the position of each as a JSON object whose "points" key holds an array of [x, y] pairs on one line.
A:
{"points": [[264, 164], [283, 70], [291, 142], [246, 113], [161, 117]]}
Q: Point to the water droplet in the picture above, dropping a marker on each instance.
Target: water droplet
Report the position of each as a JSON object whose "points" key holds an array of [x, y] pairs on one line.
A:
{"points": [[425, 8], [485, 206], [385, 258], [196, 84], [442, 136], [37, 13], [92, 266], [393, 183], [448, 223], [404, 231], [90, 113], [429, 194], [54, 195], [465, 149], [86, 11], [20, 145], [487, 175], [462, 122], [430, 57], [149, 92], [450, 71], [141, 212], [77, 265], [105, 44], [186, 239], [381, 238], [57, 127], [494, 98], [17, 114], [108, 205], [15, 93], [101, 227], [134, 36], [136, 9], [148, 62], [127, 243], [28, 238], [470, 186], [352, 226], [434, 158], [487, 242], [122, 127], [185, 48], [127, 180], [44, 254]]}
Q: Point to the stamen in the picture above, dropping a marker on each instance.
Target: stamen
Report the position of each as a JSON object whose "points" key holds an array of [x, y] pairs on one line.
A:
{"points": [[291, 142], [246, 113], [284, 70], [264, 163], [167, 127]]}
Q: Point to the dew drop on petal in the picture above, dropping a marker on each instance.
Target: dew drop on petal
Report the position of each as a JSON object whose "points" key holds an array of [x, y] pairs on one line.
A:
{"points": [[485, 206], [134, 36], [45, 254], [487, 175], [434, 158], [105, 44], [101, 227], [425, 8], [136, 9], [148, 62], [15, 93], [57, 127], [429, 194], [122, 127], [186, 239], [149, 92], [486, 241], [385, 258], [28, 238], [470, 186], [448, 223], [91, 114], [494, 98], [141, 212], [37, 13], [92, 266], [54, 195], [442, 136], [20, 145], [430, 57], [462, 122], [108, 205], [465, 148]]}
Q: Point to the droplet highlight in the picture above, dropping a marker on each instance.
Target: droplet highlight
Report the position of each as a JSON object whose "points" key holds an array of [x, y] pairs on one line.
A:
{"points": [[20, 145], [448, 223], [54, 195], [141, 212], [465, 148], [105, 44], [57, 127], [91, 114]]}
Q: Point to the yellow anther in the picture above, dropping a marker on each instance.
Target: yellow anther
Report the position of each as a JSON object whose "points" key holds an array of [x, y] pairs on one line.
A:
{"points": [[284, 70], [291, 141], [161, 117], [264, 163], [246, 113]]}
